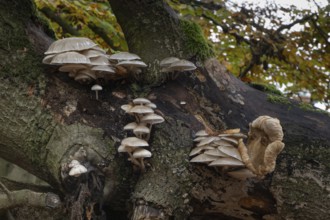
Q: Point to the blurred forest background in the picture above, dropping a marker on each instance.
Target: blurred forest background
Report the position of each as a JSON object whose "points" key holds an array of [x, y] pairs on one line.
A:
{"points": [[269, 47]]}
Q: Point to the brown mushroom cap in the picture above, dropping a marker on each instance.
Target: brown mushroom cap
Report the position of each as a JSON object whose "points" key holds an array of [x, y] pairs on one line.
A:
{"points": [[70, 44], [69, 58]]}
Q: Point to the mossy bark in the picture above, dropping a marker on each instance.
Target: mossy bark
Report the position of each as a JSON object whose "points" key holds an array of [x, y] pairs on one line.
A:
{"points": [[45, 117]]}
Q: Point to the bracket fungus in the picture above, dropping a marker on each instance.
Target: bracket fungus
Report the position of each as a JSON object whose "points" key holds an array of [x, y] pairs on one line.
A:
{"points": [[80, 55], [227, 150], [143, 111]]}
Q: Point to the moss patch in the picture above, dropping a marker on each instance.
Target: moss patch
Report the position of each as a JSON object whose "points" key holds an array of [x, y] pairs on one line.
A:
{"points": [[195, 43], [277, 99]]}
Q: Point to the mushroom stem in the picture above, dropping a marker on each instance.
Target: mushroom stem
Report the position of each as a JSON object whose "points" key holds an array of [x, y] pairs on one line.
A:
{"points": [[97, 95], [143, 168], [133, 160], [148, 135]]}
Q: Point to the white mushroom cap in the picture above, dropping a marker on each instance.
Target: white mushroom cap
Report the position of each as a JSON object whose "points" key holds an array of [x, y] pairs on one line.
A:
{"points": [[103, 68], [131, 64], [182, 65], [201, 133], [151, 105], [197, 150], [123, 149], [141, 129], [47, 59], [203, 158], [100, 60], [215, 152], [73, 163], [152, 119], [70, 57], [72, 67], [77, 170], [141, 101], [130, 126], [96, 88], [141, 153], [93, 53], [124, 56], [227, 161], [126, 107], [166, 62], [230, 151], [141, 109], [134, 142], [70, 44], [207, 140]]}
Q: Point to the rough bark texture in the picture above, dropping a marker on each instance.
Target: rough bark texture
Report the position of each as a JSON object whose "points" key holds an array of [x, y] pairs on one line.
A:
{"points": [[46, 117]]}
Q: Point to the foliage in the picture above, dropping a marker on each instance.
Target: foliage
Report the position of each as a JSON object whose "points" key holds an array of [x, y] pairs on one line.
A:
{"points": [[259, 45], [256, 44], [92, 19]]}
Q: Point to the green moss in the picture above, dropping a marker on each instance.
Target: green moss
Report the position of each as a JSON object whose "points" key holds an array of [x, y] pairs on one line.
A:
{"points": [[309, 107], [268, 88], [195, 43], [277, 99]]}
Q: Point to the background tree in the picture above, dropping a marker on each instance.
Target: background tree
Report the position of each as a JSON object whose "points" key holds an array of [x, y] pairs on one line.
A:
{"points": [[39, 133]]}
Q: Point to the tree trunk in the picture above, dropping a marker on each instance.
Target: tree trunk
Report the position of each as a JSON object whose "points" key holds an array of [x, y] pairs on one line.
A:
{"points": [[46, 118]]}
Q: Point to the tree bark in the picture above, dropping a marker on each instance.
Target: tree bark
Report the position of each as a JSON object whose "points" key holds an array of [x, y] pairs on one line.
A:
{"points": [[46, 117]]}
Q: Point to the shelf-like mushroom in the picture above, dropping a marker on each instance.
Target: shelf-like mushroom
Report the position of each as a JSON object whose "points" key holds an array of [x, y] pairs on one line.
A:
{"points": [[70, 44]]}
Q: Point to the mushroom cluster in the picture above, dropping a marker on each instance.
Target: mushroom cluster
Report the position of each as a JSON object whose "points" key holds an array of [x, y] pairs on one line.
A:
{"points": [[219, 150], [86, 62], [174, 65], [143, 111], [227, 150]]}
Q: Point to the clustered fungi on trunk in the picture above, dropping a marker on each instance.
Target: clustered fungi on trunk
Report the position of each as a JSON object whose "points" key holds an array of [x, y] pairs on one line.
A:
{"points": [[143, 111], [227, 151], [86, 62]]}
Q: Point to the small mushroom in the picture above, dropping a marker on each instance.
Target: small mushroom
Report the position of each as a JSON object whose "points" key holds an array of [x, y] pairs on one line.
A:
{"points": [[166, 62], [181, 66], [140, 154], [96, 88], [77, 170]]}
